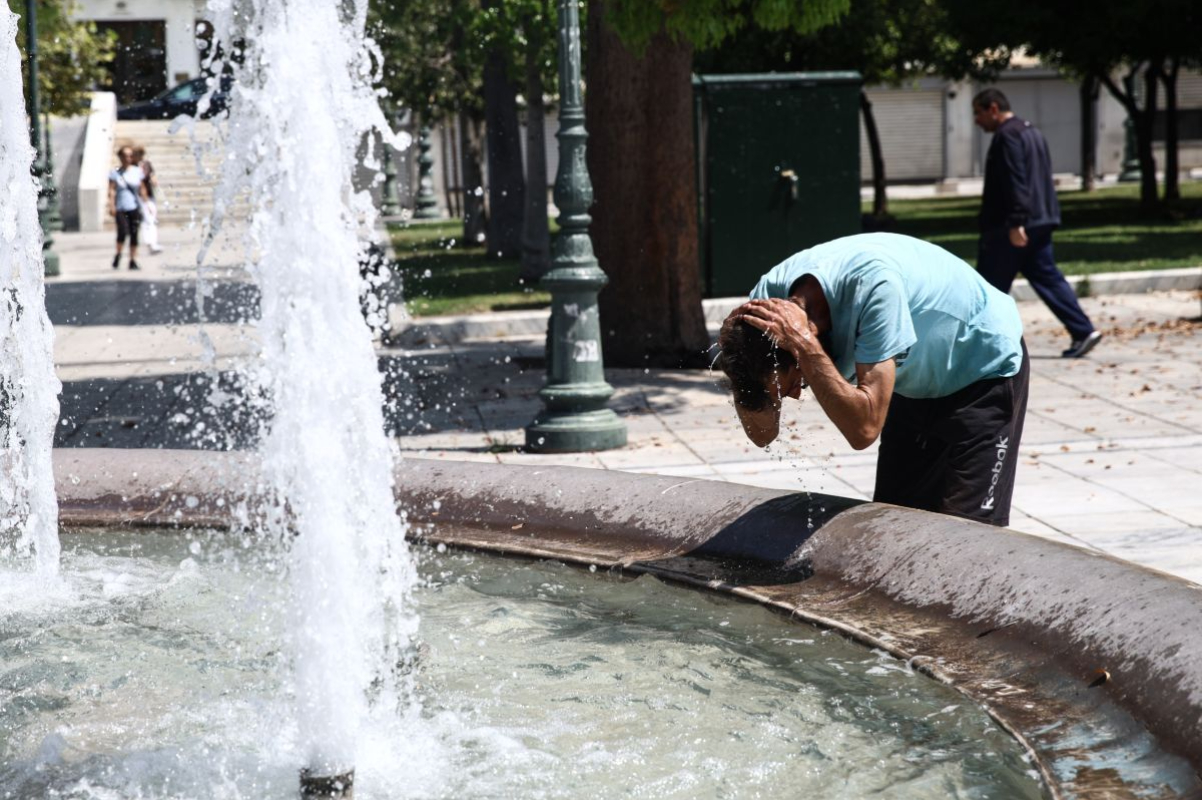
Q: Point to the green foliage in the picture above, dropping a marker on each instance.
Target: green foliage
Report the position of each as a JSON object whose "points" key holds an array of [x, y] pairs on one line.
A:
{"points": [[708, 23], [1083, 37], [432, 56], [886, 41], [517, 29], [71, 56], [434, 50]]}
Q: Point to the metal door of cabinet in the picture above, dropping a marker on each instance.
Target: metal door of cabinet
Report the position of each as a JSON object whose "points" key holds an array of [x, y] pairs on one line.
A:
{"points": [[778, 170]]}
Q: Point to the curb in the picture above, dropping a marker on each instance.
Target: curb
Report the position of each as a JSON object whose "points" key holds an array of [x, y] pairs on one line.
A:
{"points": [[405, 331]]}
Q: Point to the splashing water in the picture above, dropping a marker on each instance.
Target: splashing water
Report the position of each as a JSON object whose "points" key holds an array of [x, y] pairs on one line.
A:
{"points": [[28, 386], [301, 105]]}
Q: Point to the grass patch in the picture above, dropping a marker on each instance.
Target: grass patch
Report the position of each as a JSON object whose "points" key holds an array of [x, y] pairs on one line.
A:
{"points": [[1100, 231], [440, 274]]}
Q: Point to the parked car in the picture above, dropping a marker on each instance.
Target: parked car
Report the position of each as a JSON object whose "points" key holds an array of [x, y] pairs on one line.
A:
{"points": [[181, 99]]}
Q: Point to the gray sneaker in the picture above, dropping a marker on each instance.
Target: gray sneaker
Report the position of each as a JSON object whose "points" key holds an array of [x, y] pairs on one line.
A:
{"points": [[1080, 347]]}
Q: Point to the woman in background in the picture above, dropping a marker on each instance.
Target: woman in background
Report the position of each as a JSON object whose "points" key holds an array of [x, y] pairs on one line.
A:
{"points": [[150, 212], [126, 191]]}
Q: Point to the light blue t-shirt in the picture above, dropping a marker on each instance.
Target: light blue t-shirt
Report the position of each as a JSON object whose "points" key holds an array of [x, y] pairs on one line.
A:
{"points": [[127, 182], [897, 297]]}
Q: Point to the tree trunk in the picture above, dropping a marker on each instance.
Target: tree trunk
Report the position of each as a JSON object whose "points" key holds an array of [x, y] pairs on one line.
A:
{"points": [[536, 237], [641, 160], [1172, 188], [1141, 118], [506, 185], [450, 155], [471, 172], [880, 200], [1149, 200], [1089, 124]]}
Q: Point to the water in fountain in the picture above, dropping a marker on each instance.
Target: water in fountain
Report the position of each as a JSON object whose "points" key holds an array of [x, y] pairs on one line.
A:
{"points": [[301, 106], [28, 386]]}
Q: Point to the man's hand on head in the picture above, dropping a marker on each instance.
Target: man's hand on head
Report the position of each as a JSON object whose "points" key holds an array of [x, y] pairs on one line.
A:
{"points": [[785, 322]]}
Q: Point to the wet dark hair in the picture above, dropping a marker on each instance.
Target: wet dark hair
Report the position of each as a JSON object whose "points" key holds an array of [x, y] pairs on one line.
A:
{"points": [[988, 97], [749, 358]]}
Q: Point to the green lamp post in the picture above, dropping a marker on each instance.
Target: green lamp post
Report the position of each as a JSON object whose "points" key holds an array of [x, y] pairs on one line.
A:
{"points": [[41, 167], [574, 417], [426, 203], [54, 212], [390, 201]]}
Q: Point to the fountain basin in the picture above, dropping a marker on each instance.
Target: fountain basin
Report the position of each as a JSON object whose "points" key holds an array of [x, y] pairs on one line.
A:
{"points": [[160, 673], [1088, 661]]}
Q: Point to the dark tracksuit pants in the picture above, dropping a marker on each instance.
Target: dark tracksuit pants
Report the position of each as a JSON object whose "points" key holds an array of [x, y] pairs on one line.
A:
{"points": [[957, 454], [999, 262]]}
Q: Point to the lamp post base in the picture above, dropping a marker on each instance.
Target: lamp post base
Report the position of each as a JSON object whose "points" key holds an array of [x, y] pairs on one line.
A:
{"points": [[575, 432], [327, 787], [1130, 174]]}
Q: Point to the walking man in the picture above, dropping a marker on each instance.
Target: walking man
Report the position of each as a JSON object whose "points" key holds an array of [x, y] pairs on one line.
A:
{"points": [[1019, 211], [897, 339]]}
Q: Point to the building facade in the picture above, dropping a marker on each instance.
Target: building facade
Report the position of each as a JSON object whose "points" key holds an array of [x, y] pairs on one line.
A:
{"points": [[158, 43]]}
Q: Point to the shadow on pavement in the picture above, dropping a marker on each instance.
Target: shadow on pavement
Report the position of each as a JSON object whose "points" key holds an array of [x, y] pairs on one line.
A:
{"points": [[182, 411], [149, 302], [476, 387]]}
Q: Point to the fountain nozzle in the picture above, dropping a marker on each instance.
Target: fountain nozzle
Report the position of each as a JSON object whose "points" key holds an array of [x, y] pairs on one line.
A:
{"points": [[327, 787]]}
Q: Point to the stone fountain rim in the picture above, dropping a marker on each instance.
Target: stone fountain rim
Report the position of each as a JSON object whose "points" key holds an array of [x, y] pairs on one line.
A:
{"points": [[941, 585]]}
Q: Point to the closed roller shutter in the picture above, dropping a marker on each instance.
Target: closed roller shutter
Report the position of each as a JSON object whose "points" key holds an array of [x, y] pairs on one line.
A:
{"points": [[910, 124], [1189, 90]]}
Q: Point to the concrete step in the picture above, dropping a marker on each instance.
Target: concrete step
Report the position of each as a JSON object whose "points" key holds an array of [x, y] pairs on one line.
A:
{"points": [[184, 196]]}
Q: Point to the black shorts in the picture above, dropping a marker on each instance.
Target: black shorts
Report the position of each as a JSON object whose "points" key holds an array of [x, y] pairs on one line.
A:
{"points": [[956, 454], [127, 226]]}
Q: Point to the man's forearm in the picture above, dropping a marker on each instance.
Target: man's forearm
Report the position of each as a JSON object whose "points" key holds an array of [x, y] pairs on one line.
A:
{"points": [[856, 412]]}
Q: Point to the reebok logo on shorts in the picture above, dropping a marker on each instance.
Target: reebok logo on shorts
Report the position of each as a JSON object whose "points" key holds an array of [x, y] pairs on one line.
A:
{"points": [[1003, 447]]}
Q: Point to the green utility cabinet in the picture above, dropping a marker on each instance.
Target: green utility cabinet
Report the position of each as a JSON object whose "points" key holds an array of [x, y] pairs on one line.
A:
{"points": [[778, 170]]}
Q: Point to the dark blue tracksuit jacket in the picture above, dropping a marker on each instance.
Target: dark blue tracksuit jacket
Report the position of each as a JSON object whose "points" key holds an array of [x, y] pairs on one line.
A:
{"points": [[1018, 180]]}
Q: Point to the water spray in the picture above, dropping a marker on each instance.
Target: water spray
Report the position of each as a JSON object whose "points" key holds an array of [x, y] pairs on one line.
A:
{"points": [[301, 105]]}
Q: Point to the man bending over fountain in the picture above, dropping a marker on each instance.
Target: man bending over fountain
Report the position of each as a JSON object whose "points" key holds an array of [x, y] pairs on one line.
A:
{"points": [[897, 339]]}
